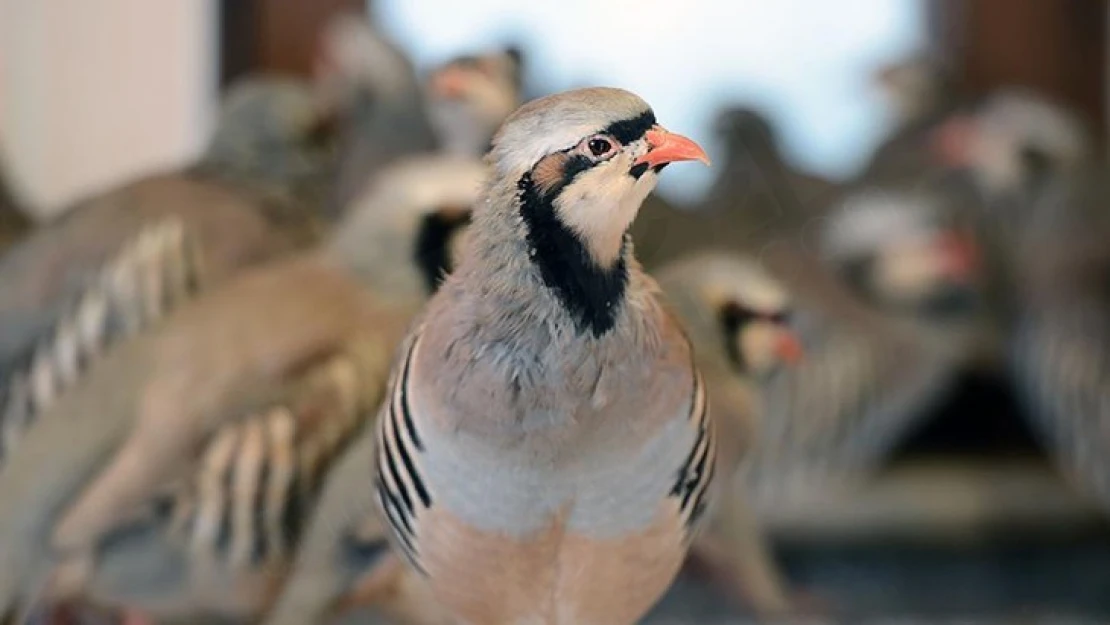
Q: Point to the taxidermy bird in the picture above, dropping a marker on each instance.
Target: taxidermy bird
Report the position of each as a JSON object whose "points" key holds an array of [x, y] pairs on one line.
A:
{"points": [[184, 464], [885, 303], [363, 71], [544, 452], [1047, 224], [469, 96], [246, 201]]}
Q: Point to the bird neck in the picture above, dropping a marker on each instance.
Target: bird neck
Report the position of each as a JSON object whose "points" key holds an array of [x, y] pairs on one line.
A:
{"points": [[589, 286]]}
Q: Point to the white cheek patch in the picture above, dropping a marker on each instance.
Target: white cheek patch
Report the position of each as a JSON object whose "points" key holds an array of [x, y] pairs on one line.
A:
{"points": [[600, 205]]}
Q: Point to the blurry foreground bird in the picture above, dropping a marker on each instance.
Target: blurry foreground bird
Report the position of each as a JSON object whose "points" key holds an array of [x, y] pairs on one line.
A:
{"points": [[14, 220], [176, 477]]}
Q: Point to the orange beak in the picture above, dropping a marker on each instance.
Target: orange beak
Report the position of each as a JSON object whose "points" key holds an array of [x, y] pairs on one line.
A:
{"points": [[449, 83], [788, 348], [667, 147], [951, 142]]}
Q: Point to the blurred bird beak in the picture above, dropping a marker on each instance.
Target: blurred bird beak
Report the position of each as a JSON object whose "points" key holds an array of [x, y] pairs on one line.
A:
{"points": [[788, 348], [960, 254], [951, 142], [449, 83], [667, 147]]}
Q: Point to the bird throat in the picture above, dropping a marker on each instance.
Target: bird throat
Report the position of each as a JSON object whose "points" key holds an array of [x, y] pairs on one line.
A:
{"points": [[591, 293]]}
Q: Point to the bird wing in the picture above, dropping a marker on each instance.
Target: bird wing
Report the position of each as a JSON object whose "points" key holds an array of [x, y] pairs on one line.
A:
{"points": [[147, 279], [140, 417], [47, 271]]}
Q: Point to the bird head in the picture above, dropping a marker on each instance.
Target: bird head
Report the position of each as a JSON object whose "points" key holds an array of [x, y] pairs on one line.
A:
{"points": [[896, 252], [732, 307], [582, 162], [1012, 144], [272, 129], [469, 96]]}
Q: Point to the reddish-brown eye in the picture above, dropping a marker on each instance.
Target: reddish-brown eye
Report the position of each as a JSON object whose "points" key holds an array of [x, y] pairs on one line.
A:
{"points": [[599, 146]]}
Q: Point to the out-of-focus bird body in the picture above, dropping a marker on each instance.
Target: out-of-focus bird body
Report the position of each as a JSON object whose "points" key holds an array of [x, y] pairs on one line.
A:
{"points": [[209, 437]]}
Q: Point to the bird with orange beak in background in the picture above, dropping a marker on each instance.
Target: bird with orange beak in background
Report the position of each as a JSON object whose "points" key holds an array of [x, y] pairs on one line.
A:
{"points": [[545, 453]]}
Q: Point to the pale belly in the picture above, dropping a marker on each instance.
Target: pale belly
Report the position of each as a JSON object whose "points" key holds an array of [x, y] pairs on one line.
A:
{"points": [[555, 576]]}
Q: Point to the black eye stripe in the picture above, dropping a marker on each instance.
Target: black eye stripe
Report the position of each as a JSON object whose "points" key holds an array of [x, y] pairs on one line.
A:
{"points": [[628, 130]]}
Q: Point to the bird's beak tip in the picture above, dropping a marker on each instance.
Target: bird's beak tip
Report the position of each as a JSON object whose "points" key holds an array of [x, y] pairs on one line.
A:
{"points": [[668, 147]]}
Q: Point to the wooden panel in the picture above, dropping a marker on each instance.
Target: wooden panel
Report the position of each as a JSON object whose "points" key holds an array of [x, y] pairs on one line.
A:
{"points": [[1057, 47], [274, 36]]}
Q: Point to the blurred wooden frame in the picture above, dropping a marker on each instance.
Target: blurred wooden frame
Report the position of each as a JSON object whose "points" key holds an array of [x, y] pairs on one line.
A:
{"points": [[1058, 47], [274, 36]]}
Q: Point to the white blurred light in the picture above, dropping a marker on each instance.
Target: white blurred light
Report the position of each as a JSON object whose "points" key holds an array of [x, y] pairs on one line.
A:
{"points": [[807, 62]]}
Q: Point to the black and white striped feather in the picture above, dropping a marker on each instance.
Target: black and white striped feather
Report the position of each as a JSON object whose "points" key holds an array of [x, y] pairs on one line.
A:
{"points": [[153, 274]]}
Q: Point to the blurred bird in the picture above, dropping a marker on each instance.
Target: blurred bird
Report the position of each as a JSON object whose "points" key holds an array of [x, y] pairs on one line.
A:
{"points": [[756, 197], [884, 302], [363, 71], [251, 197], [920, 92], [515, 481], [15, 222], [1048, 224], [469, 97], [737, 317], [179, 472]]}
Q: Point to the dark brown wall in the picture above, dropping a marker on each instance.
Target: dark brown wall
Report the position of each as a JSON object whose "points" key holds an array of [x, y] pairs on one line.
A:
{"points": [[274, 36], [1055, 46]]}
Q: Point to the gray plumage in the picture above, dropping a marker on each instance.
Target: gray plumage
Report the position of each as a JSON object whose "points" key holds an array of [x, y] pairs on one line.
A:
{"points": [[181, 468], [248, 200], [591, 423], [146, 281]]}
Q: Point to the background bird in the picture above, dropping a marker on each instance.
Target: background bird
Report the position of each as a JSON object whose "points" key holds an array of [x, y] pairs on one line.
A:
{"points": [[1045, 196], [469, 96], [245, 202], [185, 506], [884, 298]]}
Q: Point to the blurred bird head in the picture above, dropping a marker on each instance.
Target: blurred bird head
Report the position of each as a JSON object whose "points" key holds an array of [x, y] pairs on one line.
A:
{"points": [[914, 86], [404, 233], [746, 135], [469, 96], [734, 311], [272, 129], [357, 62], [1013, 144], [895, 251], [576, 167]]}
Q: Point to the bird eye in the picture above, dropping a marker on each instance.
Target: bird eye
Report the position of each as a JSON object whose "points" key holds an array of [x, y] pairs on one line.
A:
{"points": [[600, 146]]}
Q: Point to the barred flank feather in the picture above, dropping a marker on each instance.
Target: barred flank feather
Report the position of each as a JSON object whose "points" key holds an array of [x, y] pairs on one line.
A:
{"points": [[154, 273], [245, 505]]}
